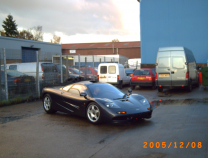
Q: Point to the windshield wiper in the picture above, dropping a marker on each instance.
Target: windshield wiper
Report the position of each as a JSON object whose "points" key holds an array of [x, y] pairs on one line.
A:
{"points": [[121, 98], [117, 98]]}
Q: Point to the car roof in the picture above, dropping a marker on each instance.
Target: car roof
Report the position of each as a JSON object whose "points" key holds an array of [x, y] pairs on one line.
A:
{"points": [[146, 69], [87, 83]]}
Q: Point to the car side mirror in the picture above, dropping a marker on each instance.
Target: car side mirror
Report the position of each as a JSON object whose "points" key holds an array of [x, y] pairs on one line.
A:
{"points": [[129, 91], [84, 95], [131, 75]]}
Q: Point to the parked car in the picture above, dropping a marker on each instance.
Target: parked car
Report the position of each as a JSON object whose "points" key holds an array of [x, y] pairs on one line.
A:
{"points": [[18, 83], [98, 102], [113, 73], [143, 77], [129, 71], [66, 77], [89, 72], [74, 73], [48, 73], [176, 67]]}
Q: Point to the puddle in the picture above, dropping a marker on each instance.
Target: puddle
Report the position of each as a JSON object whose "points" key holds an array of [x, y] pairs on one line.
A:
{"points": [[155, 104], [13, 118]]}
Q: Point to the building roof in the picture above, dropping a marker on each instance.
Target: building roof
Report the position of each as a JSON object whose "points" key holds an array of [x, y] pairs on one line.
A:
{"points": [[127, 44]]}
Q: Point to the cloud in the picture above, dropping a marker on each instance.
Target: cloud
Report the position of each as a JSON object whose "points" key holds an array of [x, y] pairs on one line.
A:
{"points": [[70, 17]]}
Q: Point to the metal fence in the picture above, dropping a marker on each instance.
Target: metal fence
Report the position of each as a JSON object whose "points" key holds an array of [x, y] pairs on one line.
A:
{"points": [[23, 79]]}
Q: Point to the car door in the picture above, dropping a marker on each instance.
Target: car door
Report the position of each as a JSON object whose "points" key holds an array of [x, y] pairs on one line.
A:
{"points": [[163, 68], [73, 101]]}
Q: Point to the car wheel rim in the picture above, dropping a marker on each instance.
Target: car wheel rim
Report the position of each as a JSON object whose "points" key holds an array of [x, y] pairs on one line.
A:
{"points": [[93, 113], [47, 103]]}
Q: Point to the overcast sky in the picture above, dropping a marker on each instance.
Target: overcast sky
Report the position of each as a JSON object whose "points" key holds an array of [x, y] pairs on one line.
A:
{"points": [[77, 21]]}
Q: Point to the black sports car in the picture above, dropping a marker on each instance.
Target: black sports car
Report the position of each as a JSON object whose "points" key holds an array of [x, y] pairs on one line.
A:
{"points": [[98, 102]]}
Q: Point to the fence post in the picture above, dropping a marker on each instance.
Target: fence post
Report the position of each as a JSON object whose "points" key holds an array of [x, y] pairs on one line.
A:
{"points": [[79, 63], [37, 75], [0, 78], [61, 68], [93, 64], [5, 75], [85, 67], [67, 67]]}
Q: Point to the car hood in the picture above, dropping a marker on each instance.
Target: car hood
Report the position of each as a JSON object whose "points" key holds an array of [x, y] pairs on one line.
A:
{"points": [[133, 101]]}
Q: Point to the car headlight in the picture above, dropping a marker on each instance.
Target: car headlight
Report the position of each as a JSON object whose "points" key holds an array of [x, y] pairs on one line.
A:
{"points": [[111, 105], [144, 101]]}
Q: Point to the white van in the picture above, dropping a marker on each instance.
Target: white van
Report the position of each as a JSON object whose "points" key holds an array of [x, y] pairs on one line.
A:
{"points": [[175, 67], [113, 73], [48, 73]]}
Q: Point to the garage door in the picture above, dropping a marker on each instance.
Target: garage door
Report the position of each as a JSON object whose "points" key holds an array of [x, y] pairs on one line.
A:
{"points": [[29, 55]]}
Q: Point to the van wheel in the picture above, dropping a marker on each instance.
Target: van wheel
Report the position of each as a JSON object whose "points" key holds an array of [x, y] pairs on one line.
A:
{"points": [[189, 88], [160, 89]]}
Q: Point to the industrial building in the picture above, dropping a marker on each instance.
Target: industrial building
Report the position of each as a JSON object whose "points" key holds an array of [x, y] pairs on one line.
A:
{"points": [[21, 50], [126, 49]]}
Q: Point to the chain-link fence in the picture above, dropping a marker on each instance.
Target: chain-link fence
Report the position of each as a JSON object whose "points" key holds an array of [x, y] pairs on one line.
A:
{"points": [[26, 74]]}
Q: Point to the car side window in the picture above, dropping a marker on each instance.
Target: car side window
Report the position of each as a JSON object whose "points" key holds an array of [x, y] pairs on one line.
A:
{"points": [[81, 88], [74, 91], [67, 88]]}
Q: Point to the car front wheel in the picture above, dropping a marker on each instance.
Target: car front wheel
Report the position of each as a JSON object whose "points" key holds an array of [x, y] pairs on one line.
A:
{"points": [[47, 104], [93, 113]]}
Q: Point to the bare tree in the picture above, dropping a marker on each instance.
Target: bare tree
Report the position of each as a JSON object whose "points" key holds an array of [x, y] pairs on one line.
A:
{"points": [[25, 34], [2, 33], [56, 39], [115, 40], [37, 33]]}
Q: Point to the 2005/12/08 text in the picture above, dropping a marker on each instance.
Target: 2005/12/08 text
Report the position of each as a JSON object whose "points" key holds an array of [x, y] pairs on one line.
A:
{"points": [[172, 144]]}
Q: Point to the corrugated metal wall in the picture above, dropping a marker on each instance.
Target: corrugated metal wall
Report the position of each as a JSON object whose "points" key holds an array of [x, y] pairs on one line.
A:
{"points": [[174, 23]]}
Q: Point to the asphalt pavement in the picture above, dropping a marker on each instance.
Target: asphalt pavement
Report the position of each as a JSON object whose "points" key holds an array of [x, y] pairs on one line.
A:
{"points": [[178, 128]]}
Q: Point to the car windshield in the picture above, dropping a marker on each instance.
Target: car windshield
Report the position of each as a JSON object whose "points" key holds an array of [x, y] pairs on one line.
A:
{"points": [[48, 67], [142, 72], [77, 71], [129, 70], [100, 90], [63, 68]]}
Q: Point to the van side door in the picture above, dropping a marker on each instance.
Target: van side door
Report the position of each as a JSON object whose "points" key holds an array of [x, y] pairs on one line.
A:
{"points": [[163, 68]]}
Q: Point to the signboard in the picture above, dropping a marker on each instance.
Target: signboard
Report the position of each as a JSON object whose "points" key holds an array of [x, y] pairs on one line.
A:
{"points": [[72, 51]]}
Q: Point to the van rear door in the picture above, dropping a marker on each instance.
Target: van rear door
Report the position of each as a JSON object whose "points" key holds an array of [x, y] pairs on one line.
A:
{"points": [[103, 73], [163, 68], [112, 75], [178, 68]]}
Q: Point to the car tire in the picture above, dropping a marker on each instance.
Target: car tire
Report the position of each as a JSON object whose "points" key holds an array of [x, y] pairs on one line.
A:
{"points": [[154, 86], [133, 87], [47, 104], [93, 113], [120, 86], [160, 89], [189, 88]]}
